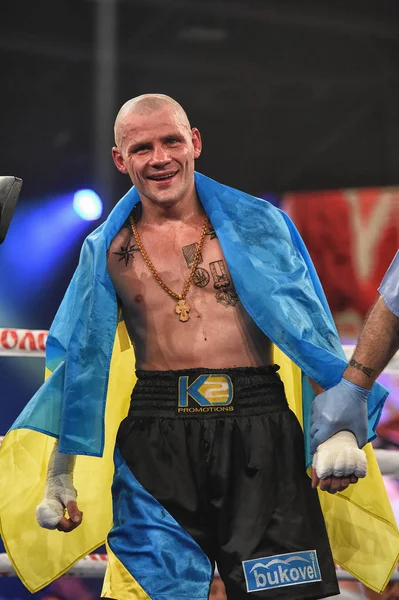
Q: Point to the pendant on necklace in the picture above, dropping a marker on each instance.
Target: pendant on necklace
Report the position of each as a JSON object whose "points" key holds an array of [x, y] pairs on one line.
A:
{"points": [[182, 309]]}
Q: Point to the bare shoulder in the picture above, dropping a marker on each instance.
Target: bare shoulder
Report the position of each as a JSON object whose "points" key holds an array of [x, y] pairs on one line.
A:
{"points": [[121, 244]]}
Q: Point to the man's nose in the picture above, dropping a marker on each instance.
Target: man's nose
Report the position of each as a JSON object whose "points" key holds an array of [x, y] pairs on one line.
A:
{"points": [[160, 155]]}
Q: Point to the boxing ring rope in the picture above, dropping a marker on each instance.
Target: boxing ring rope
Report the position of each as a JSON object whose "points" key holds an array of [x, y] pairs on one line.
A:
{"points": [[23, 342], [32, 343], [93, 567]]}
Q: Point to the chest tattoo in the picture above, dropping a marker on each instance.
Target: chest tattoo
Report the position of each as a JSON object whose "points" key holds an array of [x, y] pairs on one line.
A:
{"points": [[219, 274], [201, 277], [227, 297], [225, 292], [189, 254], [126, 253], [211, 232]]}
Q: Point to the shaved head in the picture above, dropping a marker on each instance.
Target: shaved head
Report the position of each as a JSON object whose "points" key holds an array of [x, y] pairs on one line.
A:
{"points": [[145, 105], [156, 146]]}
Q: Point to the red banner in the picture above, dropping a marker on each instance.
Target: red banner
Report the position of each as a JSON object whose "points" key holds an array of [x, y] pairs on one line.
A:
{"points": [[352, 236]]}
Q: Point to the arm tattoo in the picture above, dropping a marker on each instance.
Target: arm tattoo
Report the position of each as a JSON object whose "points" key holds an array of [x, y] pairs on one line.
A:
{"points": [[366, 370]]}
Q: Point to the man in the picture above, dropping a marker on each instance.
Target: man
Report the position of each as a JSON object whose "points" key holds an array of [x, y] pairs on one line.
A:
{"points": [[209, 461]]}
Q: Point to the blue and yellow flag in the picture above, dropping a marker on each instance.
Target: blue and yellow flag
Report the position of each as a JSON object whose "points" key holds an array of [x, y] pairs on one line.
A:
{"points": [[90, 375]]}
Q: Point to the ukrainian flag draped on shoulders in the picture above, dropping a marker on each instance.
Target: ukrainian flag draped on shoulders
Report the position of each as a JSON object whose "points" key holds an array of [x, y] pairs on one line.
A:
{"points": [[90, 375]]}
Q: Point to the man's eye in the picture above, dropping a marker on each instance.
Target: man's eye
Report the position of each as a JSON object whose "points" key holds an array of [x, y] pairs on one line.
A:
{"points": [[172, 141]]}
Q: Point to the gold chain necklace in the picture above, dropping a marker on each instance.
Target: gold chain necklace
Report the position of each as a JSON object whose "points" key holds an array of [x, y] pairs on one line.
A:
{"points": [[182, 308]]}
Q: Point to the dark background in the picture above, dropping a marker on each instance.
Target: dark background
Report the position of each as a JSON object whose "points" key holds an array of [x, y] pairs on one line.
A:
{"points": [[288, 95]]}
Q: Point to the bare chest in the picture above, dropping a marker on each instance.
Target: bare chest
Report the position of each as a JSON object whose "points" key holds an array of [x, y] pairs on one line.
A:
{"points": [[150, 284]]}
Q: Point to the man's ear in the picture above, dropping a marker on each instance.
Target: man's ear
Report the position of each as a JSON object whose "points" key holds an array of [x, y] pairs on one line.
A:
{"points": [[118, 160], [197, 142]]}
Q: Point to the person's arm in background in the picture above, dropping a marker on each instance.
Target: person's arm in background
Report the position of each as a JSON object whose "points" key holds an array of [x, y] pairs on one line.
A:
{"points": [[339, 415], [379, 339], [377, 344]]}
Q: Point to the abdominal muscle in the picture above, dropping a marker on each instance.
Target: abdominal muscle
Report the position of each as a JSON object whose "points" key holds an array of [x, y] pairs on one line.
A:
{"points": [[215, 336]]}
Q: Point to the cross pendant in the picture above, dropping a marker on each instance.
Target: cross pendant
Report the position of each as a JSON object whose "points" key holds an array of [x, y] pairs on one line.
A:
{"points": [[182, 309]]}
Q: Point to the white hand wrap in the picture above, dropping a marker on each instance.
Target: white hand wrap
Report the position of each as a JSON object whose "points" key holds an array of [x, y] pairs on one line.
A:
{"points": [[340, 456], [59, 489]]}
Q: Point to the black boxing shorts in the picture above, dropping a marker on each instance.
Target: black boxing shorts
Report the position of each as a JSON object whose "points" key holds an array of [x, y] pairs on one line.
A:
{"points": [[223, 453]]}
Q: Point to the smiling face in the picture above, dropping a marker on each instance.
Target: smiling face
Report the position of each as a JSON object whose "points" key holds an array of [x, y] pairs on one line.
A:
{"points": [[157, 149]]}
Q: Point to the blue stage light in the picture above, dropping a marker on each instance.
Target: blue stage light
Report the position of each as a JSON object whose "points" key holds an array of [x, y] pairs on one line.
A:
{"points": [[88, 205]]}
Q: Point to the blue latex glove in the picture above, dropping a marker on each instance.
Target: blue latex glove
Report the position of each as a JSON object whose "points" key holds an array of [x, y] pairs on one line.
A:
{"points": [[343, 407]]}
